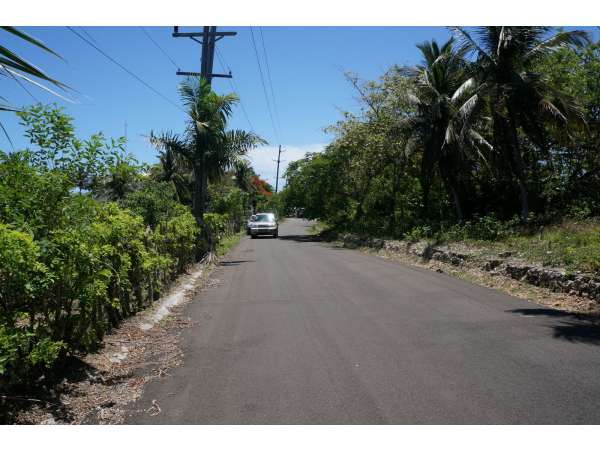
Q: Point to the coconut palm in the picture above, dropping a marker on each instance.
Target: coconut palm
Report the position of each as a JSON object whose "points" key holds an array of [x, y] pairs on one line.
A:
{"points": [[519, 98], [438, 128], [208, 147]]}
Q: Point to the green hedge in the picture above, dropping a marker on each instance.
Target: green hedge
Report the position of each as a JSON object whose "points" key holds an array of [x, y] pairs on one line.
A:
{"points": [[71, 267]]}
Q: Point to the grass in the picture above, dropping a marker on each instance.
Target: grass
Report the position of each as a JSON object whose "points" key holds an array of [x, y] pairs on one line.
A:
{"points": [[574, 245], [228, 242], [318, 227]]}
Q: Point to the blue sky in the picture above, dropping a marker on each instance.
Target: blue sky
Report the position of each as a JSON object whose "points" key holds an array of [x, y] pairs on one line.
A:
{"points": [[306, 66]]}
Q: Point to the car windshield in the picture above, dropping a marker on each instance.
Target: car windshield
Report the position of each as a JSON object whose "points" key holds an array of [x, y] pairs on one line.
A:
{"points": [[264, 218]]}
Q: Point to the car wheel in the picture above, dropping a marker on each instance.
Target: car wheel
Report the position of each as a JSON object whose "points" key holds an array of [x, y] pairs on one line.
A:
{"points": [[252, 236]]}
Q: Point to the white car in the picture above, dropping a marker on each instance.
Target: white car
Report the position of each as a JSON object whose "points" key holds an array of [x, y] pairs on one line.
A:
{"points": [[263, 224]]}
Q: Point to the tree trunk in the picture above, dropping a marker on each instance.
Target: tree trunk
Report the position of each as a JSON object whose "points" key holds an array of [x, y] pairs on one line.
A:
{"points": [[397, 173], [456, 201], [198, 195], [518, 166], [450, 184], [199, 203]]}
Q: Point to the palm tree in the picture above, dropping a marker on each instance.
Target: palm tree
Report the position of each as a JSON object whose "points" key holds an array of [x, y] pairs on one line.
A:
{"points": [[243, 173], [207, 145], [20, 70], [173, 168], [519, 98], [438, 128]]}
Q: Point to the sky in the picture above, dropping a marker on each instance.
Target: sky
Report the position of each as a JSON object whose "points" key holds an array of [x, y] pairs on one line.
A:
{"points": [[306, 87]]}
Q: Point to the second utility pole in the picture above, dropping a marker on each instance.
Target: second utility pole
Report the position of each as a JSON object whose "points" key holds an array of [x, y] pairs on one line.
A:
{"points": [[277, 178]]}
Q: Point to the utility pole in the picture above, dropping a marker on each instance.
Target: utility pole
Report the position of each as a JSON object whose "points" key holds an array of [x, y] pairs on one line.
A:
{"points": [[208, 37], [278, 160]]}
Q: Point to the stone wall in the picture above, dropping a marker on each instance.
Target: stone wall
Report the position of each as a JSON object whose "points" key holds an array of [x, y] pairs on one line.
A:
{"points": [[558, 280]]}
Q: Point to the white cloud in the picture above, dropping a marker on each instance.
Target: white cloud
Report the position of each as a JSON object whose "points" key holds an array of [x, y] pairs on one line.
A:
{"points": [[264, 159]]}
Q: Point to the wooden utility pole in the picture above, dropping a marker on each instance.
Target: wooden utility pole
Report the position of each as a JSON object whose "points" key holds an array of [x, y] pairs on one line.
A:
{"points": [[208, 37], [278, 160]]}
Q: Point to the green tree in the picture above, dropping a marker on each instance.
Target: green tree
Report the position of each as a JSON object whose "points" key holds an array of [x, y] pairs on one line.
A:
{"points": [[438, 129], [521, 100], [207, 145]]}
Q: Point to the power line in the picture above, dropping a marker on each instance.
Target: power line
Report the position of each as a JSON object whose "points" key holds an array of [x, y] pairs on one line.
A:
{"points": [[262, 80], [110, 58], [160, 48], [270, 80], [35, 99], [234, 88], [84, 31]]}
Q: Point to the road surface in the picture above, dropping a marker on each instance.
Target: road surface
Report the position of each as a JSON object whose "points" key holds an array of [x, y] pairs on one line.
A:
{"points": [[299, 332]]}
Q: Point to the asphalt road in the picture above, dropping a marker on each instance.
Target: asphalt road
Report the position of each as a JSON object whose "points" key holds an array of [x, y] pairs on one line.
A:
{"points": [[299, 332]]}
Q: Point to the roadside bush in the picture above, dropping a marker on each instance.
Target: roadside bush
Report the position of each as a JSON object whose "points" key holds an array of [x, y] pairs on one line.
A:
{"points": [[72, 267], [220, 225], [485, 228], [22, 279], [155, 202], [86, 240], [231, 201]]}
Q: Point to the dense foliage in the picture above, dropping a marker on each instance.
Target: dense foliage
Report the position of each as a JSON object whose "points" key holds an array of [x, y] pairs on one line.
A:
{"points": [[206, 150], [497, 124], [89, 236]]}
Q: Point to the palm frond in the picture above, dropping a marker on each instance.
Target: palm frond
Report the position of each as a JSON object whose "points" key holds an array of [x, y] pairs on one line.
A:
{"points": [[463, 89], [32, 81], [547, 106], [468, 106], [169, 141], [29, 39], [468, 45], [575, 38]]}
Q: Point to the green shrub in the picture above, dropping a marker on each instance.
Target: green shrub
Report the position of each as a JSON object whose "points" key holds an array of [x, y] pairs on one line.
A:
{"points": [[24, 346], [67, 277], [219, 225], [231, 201], [418, 233], [180, 236]]}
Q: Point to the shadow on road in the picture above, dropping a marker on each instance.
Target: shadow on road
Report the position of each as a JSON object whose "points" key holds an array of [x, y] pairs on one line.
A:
{"points": [[235, 263], [578, 328], [302, 238]]}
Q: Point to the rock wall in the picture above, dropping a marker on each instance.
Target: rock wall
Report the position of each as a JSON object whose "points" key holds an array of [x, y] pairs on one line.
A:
{"points": [[558, 280]]}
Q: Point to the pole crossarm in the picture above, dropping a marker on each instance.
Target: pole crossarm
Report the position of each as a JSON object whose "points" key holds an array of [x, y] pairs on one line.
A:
{"points": [[197, 74], [202, 34], [209, 36]]}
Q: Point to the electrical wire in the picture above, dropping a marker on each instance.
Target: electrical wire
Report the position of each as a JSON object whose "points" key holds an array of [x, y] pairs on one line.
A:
{"points": [[114, 61], [84, 31], [270, 80], [160, 48], [225, 67], [262, 80]]}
